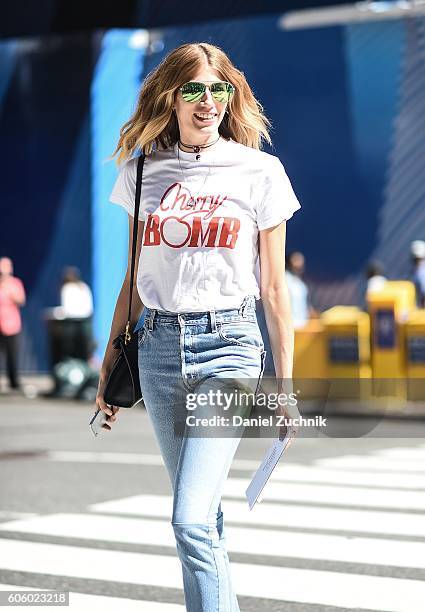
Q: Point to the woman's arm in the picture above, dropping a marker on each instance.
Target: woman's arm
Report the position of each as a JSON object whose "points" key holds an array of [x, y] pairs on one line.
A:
{"points": [[119, 319], [278, 315], [275, 298]]}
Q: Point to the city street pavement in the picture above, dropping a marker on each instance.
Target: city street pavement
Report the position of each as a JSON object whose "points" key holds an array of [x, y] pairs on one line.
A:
{"points": [[341, 525]]}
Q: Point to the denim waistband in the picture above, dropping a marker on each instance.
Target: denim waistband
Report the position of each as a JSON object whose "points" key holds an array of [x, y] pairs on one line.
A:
{"points": [[246, 311]]}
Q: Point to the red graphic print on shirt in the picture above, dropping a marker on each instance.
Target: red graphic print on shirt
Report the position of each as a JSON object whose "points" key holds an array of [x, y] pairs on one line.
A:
{"points": [[177, 231]]}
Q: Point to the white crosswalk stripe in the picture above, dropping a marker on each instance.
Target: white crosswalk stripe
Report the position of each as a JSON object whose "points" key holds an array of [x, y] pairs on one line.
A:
{"points": [[305, 515], [373, 463], [381, 480], [268, 542], [299, 516], [402, 453], [334, 495]]}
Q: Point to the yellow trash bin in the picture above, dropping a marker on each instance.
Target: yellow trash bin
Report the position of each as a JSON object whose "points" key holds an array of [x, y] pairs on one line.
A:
{"points": [[347, 334], [389, 308], [414, 332]]}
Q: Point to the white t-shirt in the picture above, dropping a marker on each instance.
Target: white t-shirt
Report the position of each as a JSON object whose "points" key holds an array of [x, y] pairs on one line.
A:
{"points": [[197, 258], [76, 300]]}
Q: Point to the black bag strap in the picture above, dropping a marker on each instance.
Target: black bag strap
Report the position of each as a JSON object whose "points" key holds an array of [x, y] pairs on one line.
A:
{"points": [[140, 163]]}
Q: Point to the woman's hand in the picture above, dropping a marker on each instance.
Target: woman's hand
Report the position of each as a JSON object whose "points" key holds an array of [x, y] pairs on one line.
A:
{"points": [[287, 408], [100, 403]]}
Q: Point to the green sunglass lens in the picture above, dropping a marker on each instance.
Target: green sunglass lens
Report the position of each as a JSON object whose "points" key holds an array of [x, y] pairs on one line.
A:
{"points": [[221, 91], [193, 92]]}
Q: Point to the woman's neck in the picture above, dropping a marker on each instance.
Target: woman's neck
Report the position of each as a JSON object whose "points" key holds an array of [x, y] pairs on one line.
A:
{"points": [[212, 140]]}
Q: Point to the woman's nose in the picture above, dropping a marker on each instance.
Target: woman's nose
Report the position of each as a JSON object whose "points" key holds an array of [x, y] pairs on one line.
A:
{"points": [[207, 97]]}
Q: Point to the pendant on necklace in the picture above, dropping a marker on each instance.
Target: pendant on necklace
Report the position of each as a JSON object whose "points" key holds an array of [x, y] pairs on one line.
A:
{"points": [[196, 149]]}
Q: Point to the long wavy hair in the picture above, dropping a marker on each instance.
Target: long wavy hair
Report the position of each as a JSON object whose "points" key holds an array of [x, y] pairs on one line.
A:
{"points": [[153, 121]]}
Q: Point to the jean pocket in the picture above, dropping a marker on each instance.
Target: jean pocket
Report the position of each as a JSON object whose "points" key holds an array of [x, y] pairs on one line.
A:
{"points": [[244, 333]]}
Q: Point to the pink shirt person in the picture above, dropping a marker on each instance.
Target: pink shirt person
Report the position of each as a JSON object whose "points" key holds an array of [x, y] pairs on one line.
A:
{"points": [[12, 297]]}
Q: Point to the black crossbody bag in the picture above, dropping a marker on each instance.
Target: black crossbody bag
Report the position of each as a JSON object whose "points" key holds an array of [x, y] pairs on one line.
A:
{"points": [[123, 385]]}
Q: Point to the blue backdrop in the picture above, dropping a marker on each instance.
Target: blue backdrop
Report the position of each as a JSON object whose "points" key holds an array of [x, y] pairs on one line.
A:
{"points": [[346, 104]]}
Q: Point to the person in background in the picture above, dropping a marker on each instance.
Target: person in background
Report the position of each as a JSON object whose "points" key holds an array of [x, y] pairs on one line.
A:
{"points": [[12, 297], [375, 276], [302, 309], [417, 252], [76, 296]]}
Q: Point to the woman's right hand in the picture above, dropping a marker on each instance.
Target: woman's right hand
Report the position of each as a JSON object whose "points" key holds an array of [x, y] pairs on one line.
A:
{"points": [[111, 411]]}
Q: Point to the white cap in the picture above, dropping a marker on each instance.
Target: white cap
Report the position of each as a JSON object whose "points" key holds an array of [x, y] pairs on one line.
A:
{"points": [[417, 248]]}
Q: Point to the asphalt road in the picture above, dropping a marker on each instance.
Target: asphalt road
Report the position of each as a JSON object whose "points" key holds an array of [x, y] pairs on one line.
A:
{"points": [[341, 525]]}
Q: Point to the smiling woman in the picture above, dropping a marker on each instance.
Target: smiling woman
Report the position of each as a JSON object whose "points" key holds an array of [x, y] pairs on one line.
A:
{"points": [[205, 81], [212, 203]]}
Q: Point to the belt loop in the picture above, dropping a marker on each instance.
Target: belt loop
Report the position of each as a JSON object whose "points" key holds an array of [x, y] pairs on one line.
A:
{"points": [[151, 319], [249, 302], [244, 305], [213, 321]]}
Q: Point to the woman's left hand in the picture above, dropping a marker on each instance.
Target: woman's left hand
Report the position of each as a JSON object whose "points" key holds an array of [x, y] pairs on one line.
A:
{"points": [[287, 408]]}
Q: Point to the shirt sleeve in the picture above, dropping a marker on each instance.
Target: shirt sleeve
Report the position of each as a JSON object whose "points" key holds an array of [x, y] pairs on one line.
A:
{"points": [[278, 201], [124, 189]]}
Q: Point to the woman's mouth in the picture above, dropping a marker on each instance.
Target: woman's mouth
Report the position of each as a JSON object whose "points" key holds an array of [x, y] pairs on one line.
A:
{"points": [[205, 118]]}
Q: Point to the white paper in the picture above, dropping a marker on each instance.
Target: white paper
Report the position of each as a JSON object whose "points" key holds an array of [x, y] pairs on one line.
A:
{"points": [[261, 476]]}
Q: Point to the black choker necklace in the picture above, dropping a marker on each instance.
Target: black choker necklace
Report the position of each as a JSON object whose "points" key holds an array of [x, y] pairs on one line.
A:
{"points": [[197, 148]]}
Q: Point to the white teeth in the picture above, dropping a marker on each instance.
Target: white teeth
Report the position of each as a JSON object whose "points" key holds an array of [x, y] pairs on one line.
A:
{"points": [[204, 116]]}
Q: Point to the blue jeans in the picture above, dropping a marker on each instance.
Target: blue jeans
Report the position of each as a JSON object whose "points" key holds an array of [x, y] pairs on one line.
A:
{"points": [[181, 354]]}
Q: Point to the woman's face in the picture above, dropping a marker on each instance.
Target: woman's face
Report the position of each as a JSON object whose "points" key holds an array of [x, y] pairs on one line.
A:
{"points": [[192, 129]]}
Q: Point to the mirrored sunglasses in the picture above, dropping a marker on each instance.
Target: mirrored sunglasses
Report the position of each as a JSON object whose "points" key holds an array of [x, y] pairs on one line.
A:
{"points": [[193, 91]]}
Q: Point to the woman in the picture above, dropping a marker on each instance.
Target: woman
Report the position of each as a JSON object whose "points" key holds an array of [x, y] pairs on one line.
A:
{"points": [[210, 199]]}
